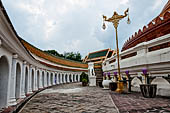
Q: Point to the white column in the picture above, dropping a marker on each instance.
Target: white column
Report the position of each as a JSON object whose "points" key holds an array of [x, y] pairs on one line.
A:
{"points": [[57, 81], [68, 78], [40, 79], [53, 78], [35, 79], [75, 78], [49, 80], [22, 95], [61, 81], [72, 78], [45, 79], [12, 99], [64, 80], [59, 78], [79, 78], [30, 80]]}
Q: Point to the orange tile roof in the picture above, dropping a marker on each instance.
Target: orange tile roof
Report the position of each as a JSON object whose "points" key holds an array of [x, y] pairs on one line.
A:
{"points": [[57, 60]]}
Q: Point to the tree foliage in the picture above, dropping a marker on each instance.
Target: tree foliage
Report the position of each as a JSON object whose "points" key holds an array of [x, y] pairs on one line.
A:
{"points": [[76, 56]]}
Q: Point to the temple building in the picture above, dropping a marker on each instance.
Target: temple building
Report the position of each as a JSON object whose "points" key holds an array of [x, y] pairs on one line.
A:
{"points": [[97, 58], [149, 49]]}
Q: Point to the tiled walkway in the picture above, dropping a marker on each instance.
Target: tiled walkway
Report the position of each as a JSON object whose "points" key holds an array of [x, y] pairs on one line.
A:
{"points": [[71, 98], [136, 103]]}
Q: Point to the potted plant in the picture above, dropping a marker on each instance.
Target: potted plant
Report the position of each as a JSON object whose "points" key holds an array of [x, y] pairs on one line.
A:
{"points": [[148, 90], [84, 82], [84, 79], [113, 84]]}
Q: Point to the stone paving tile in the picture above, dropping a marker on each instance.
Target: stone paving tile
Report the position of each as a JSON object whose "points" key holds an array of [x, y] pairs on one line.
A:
{"points": [[87, 100], [136, 103]]}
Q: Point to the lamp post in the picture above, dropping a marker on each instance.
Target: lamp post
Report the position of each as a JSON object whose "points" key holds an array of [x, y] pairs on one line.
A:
{"points": [[115, 20]]}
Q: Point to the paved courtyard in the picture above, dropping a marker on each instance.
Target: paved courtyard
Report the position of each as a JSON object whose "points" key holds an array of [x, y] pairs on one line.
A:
{"points": [[135, 103], [71, 98]]}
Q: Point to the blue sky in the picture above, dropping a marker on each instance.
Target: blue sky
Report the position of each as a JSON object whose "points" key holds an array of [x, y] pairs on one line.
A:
{"points": [[76, 25]]}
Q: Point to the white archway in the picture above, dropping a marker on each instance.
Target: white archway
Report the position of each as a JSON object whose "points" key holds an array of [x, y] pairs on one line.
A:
{"points": [[32, 81], [4, 75], [136, 84], [163, 86], [56, 78], [38, 79], [74, 78], [70, 78], [43, 79], [48, 79], [66, 78], [77, 78], [26, 80], [18, 79], [51, 77]]}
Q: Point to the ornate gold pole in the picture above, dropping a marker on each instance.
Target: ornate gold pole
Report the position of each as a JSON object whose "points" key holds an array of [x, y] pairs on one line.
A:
{"points": [[115, 20]]}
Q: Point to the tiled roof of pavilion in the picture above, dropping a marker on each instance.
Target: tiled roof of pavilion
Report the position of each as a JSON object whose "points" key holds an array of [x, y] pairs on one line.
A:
{"points": [[99, 56], [156, 28]]}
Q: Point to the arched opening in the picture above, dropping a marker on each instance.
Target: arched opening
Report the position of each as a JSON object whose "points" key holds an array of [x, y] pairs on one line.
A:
{"points": [[47, 79], [62, 78], [163, 86], [55, 78], [59, 78], [43, 78], [66, 78], [70, 78], [77, 78], [4, 74], [32, 74], [51, 79], [18, 78], [38, 79], [136, 84], [26, 80]]}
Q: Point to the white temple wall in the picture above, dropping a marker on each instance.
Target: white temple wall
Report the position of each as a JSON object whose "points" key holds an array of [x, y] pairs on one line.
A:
{"points": [[156, 62]]}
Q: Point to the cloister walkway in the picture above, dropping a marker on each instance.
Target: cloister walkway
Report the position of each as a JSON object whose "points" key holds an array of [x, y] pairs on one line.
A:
{"points": [[71, 98]]}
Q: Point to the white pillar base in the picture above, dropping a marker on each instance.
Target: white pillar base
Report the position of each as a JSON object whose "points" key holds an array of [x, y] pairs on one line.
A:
{"points": [[12, 102], [22, 96], [92, 80]]}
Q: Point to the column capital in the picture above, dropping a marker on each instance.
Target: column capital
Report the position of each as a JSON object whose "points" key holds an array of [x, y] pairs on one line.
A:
{"points": [[31, 66], [15, 56], [24, 62]]}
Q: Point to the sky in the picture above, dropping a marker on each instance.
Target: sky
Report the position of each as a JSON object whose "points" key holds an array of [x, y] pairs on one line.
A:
{"points": [[76, 25]]}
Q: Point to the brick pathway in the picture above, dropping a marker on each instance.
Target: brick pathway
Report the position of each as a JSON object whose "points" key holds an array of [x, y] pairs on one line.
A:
{"points": [[136, 103], [71, 98]]}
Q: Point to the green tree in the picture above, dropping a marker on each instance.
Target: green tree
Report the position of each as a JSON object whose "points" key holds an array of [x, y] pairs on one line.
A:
{"points": [[76, 56]]}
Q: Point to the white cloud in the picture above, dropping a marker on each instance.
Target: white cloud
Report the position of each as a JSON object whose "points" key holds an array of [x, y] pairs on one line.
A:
{"points": [[125, 2], [75, 25], [157, 4]]}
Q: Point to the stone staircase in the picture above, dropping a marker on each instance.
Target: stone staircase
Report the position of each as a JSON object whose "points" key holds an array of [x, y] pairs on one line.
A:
{"points": [[99, 77]]}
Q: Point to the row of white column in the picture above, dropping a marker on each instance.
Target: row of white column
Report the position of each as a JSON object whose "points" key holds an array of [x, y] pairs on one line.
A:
{"points": [[25, 79]]}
